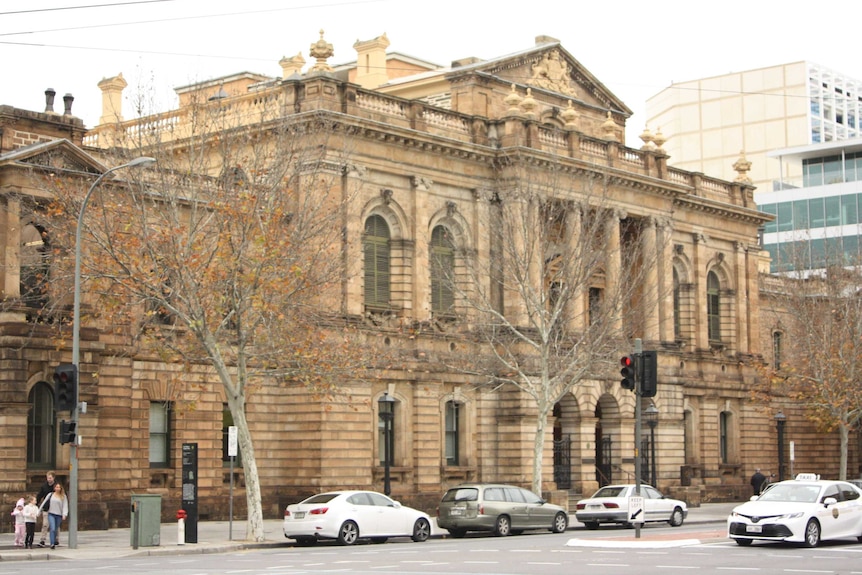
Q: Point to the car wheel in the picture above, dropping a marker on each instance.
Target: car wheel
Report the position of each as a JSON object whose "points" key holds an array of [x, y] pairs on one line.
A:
{"points": [[421, 530], [503, 526], [592, 525], [560, 523], [349, 533], [743, 542], [812, 533], [379, 539], [676, 517], [457, 533]]}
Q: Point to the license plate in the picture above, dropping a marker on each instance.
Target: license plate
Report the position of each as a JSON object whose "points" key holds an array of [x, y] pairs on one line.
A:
{"points": [[594, 506], [753, 529], [299, 515], [456, 511]]}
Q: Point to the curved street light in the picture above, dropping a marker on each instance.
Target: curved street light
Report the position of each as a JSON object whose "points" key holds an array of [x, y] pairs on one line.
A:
{"points": [[76, 343]]}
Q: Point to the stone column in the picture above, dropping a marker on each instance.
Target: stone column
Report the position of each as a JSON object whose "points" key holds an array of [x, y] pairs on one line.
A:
{"points": [[421, 258], [701, 333], [576, 320], [614, 259], [740, 270], [354, 226], [650, 280], [665, 280]]}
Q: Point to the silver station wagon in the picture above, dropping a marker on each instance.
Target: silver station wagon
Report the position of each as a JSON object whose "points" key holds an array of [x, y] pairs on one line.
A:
{"points": [[500, 509]]}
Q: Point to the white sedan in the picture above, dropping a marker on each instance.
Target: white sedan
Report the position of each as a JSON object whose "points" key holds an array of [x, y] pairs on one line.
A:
{"points": [[610, 504], [804, 510], [347, 516]]}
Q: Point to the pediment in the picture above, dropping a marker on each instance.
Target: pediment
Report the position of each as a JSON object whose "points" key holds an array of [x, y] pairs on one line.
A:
{"points": [[60, 155], [549, 67]]}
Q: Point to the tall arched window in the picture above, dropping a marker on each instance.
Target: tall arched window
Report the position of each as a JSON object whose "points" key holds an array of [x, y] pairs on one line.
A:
{"points": [[41, 435], [453, 433], [724, 439], [376, 248], [442, 271], [34, 267], [777, 345], [713, 306]]}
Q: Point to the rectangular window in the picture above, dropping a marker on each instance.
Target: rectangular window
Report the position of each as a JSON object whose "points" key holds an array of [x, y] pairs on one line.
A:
{"points": [[832, 170], [812, 172], [816, 213], [160, 417], [453, 433], [833, 211], [849, 212], [772, 226], [723, 436], [381, 437], [800, 215], [784, 221]]}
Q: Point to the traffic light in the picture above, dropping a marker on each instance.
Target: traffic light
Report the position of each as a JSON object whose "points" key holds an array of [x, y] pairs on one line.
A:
{"points": [[65, 387], [68, 432], [628, 372], [649, 373]]}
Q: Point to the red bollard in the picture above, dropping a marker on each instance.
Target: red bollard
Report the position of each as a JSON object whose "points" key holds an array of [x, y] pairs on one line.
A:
{"points": [[181, 527]]}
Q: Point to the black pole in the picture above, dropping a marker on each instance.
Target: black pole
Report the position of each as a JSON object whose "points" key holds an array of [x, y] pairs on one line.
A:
{"points": [[652, 452], [781, 449], [387, 438]]}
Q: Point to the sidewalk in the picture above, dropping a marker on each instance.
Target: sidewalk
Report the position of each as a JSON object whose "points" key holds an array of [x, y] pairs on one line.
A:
{"points": [[218, 537]]}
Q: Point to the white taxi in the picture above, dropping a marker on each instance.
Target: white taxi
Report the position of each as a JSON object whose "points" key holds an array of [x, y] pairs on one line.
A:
{"points": [[804, 510]]}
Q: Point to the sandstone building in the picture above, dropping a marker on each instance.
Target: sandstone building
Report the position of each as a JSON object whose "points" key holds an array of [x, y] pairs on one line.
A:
{"points": [[430, 147]]}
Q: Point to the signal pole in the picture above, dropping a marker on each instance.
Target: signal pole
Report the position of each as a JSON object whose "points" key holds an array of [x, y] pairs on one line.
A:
{"points": [[638, 360]]}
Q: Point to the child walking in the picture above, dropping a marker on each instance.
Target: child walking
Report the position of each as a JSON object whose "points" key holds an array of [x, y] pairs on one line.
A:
{"points": [[31, 513], [18, 514]]}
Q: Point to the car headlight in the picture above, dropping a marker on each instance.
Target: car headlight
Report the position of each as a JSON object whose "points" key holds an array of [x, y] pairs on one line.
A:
{"points": [[791, 515]]}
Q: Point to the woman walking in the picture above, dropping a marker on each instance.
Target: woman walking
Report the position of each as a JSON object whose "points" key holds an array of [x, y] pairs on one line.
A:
{"points": [[57, 507]]}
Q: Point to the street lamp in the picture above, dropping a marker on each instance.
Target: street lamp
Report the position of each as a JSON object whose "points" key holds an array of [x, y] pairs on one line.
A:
{"points": [[76, 344], [651, 416], [386, 408], [780, 420]]}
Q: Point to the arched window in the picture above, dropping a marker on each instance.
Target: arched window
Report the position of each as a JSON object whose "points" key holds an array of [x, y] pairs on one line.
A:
{"points": [[453, 433], [724, 436], [442, 271], [41, 434], [34, 267], [713, 307], [376, 248], [777, 349]]}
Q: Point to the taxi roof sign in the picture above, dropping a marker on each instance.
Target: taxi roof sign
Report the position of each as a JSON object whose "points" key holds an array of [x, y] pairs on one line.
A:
{"points": [[807, 477]]}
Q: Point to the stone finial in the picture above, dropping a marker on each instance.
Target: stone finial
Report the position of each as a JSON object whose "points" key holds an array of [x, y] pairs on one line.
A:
{"points": [[609, 128], [291, 66], [513, 100], [742, 166], [321, 51], [112, 99], [570, 116], [648, 139], [528, 104], [67, 104]]}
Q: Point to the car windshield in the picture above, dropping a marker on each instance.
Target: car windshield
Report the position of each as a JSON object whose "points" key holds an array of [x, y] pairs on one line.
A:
{"points": [[791, 492], [462, 494], [610, 491]]}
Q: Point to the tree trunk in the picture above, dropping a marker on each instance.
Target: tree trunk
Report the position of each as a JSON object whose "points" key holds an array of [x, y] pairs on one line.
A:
{"points": [[254, 524]]}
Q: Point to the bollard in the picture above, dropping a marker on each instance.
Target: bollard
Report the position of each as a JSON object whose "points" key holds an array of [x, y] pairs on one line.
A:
{"points": [[181, 527]]}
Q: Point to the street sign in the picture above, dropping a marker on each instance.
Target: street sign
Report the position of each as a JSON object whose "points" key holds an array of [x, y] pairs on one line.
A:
{"points": [[636, 509], [231, 441]]}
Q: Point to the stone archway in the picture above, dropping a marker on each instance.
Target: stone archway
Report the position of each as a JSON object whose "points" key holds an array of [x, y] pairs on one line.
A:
{"points": [[566, 440]]}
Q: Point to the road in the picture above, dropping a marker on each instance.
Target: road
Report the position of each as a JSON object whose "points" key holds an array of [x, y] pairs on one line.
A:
{"points": [[528, 554]]}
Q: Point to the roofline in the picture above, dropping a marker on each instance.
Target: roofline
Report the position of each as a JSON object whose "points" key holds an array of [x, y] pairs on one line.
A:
{"points": [[809, 151]]}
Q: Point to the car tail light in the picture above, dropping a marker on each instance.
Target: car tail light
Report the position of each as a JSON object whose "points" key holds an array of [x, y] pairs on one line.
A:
{"points": [[318, 511], [581, 506], [611, 505], [286, 513], [481, 510]]}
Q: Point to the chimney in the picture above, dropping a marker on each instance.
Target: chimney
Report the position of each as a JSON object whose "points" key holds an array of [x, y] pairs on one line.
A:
{"points": [[49, 100], [371, 62], [291, 66], [67, 103], [112, 99]]}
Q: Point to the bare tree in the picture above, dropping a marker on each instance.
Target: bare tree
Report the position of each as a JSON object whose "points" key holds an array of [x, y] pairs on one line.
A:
{"points": [[229, 254], [560, 291], [816, 335]]}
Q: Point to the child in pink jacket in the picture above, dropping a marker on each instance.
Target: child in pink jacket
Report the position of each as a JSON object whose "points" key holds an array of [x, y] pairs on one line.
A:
{"points": [[20, 524]]}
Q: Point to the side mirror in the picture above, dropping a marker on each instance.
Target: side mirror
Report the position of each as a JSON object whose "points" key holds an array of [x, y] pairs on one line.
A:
{"points": [[829, 501], [396, 505]]}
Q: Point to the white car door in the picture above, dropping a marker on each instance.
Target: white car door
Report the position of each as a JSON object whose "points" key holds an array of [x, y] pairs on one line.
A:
{"points": [[364, 512], [389, 515], [656, 508]]}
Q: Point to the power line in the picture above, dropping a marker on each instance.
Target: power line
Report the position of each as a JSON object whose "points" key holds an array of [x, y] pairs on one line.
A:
{"points": [[82, 7], [196, 17]]}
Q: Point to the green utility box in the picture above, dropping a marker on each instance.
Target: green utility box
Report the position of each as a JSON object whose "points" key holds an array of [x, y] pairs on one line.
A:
{"points": [[146, 520]]}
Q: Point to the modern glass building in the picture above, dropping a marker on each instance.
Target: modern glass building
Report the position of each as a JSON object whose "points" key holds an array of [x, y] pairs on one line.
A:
{"points": [[818, 216]]}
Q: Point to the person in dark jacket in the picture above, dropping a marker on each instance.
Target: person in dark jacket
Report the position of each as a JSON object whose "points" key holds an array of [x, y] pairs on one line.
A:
{"points": [[46, 490], [757, 481]]}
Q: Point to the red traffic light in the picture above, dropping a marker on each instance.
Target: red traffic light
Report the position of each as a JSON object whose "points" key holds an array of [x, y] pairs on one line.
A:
{"points": [[627, 361], [628, 372]]}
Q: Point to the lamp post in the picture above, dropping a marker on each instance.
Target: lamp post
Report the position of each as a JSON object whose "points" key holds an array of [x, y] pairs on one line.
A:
{"points": [[780, 420], [651, 416], [76, 344], [385, 407]]}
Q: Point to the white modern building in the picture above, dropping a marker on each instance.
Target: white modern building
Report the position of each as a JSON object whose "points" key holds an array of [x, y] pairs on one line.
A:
{"points": [[818, 215], [708, 122]]}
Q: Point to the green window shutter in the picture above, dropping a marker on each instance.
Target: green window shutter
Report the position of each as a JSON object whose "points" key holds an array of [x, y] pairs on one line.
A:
{"points": [[376, 263], [442, 270]]}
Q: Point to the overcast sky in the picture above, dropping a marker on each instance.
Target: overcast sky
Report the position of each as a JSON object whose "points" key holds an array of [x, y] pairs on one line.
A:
{"points": [[636, 48]]}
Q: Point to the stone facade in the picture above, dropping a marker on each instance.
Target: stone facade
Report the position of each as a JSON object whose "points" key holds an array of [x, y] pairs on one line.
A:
{"points": [[427, 151]]}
